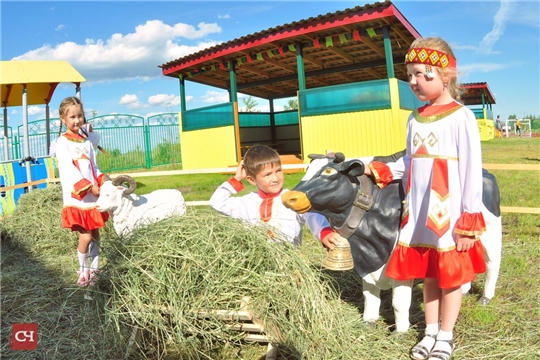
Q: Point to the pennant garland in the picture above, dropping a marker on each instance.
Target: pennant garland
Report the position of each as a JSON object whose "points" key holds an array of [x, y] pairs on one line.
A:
{"points": [[327, 41]]}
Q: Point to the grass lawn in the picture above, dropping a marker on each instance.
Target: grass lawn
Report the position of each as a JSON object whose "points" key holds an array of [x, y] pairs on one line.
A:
{"points": [[38, 278]]}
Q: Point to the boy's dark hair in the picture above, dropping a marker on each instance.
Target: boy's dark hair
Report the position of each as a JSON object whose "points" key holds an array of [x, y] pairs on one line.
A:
{"points": [[257, 157]]}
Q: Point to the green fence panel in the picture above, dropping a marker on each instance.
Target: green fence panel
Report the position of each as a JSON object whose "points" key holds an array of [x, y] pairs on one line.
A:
{"points": [[124, 140], [367, 95], [208, 117], [407, 99], [286, 118], [6, 144], [164, 139], [254, 119]]}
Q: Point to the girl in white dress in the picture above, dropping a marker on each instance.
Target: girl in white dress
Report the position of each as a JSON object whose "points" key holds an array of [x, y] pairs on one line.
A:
{"points": [[442, 174], [81, 180]]}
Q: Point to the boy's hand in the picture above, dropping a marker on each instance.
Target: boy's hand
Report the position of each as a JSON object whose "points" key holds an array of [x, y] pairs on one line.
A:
{"points": [[240, 171], [331, 240]]}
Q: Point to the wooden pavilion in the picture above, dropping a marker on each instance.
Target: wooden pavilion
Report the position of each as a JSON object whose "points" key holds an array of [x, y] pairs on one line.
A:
{"points": [[345, 68]]}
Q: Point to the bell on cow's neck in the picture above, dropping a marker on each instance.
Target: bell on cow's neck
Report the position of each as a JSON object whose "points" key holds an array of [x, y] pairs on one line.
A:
{"points": [[339, 258]]}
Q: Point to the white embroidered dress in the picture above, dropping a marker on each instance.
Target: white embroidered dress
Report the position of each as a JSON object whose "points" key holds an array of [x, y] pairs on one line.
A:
{"points": [[78, 172], [442, 175]]}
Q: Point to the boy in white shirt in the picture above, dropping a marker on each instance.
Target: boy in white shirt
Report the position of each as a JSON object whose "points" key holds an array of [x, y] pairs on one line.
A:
{"points": [[261, 167]]}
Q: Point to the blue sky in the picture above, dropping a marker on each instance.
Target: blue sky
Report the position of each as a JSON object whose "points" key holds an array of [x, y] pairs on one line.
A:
{"points": [[118, 46]]}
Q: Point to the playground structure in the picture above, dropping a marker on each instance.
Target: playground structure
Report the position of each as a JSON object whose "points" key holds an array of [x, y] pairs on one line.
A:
{"points": [[25, 83]]}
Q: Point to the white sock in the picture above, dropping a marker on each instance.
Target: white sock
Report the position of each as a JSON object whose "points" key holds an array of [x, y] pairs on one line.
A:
{"points": [[445, 335], [432, 329], [94, 254], [82, 261]]}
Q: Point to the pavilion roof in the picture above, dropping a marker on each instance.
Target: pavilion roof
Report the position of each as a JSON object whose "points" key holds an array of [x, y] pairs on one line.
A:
{"points": [[472, 94], [338, 48]]}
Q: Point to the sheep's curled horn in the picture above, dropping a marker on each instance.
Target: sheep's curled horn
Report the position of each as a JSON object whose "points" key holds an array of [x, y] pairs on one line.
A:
{"points": [[120, 179]]}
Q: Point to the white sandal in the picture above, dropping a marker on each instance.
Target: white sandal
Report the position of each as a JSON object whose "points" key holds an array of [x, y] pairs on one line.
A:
{"points": [[421, 352], [440, 354]]}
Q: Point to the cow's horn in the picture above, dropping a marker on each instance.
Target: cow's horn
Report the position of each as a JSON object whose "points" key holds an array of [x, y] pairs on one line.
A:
{"points": [[315, 156], [120, 179], [339, 157]]}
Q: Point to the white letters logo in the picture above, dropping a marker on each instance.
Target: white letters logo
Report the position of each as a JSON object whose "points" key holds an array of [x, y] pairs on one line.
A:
{"points": [[23, 336]]}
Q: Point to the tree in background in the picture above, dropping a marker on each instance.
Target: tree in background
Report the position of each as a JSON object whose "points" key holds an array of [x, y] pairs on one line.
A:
{"points": [[291, 105], [250, 103]]}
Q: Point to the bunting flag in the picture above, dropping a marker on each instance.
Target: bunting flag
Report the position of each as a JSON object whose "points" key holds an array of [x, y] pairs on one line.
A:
{"points": [[328, 41]]}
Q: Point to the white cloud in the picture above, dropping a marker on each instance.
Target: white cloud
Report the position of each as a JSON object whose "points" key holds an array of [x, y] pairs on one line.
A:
{"points": [[465, 70], [36, 110], [165, 100], [217, 97], [131, 101], [225, 16], [60, 27], [130, 56], [499, 23]]}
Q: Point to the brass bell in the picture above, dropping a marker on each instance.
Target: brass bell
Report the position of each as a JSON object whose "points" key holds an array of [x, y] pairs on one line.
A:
{"points": [[339, 258]]}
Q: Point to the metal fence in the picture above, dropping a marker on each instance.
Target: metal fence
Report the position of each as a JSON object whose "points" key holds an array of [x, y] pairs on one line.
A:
{"points": [[129, 141]]}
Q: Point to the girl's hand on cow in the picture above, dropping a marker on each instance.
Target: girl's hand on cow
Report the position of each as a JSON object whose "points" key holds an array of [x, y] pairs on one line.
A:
{"points": [[464, 243], [95, 190], [367, 170], [240, 171], [331, 240]]}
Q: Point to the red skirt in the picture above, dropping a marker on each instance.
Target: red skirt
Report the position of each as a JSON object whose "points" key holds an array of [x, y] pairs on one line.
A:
{"points": [[452, 268], [89, 219]]}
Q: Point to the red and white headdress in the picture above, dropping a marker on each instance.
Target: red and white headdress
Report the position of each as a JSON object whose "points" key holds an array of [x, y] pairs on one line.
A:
{"points": [[430, 57]]}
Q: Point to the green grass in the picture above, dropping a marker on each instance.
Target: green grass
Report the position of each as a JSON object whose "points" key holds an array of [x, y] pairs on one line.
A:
{"points": [[521, 188], [38, 265]]}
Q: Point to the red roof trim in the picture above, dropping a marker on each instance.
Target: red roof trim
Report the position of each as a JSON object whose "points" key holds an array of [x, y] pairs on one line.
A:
{"points": [[345, 19], [404, 21], [475, 86]]}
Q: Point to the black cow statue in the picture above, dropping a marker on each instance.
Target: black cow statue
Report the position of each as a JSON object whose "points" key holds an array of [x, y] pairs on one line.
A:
{"points": [[369, 218]]}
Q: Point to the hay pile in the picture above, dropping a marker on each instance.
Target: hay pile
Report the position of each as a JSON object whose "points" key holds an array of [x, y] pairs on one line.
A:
{"points": [[165, 275], [161, 279], [36, 224]]}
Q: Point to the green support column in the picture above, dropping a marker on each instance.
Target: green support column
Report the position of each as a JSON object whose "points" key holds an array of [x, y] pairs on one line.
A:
{"points": [[234, 88], [182, 94], [300, 67], [234, 100], [388, 53]]}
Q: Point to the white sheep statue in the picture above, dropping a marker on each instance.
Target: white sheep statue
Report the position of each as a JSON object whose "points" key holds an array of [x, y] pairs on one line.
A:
{"points": [[130, 211]]}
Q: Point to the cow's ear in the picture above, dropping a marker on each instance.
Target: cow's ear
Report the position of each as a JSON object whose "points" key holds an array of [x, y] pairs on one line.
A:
{"points": [[353, 167]]}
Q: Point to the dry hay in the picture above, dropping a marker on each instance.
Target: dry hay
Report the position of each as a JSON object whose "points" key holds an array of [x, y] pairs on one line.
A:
{"points": [[36, 223], [164, 276], [161, 279]]}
